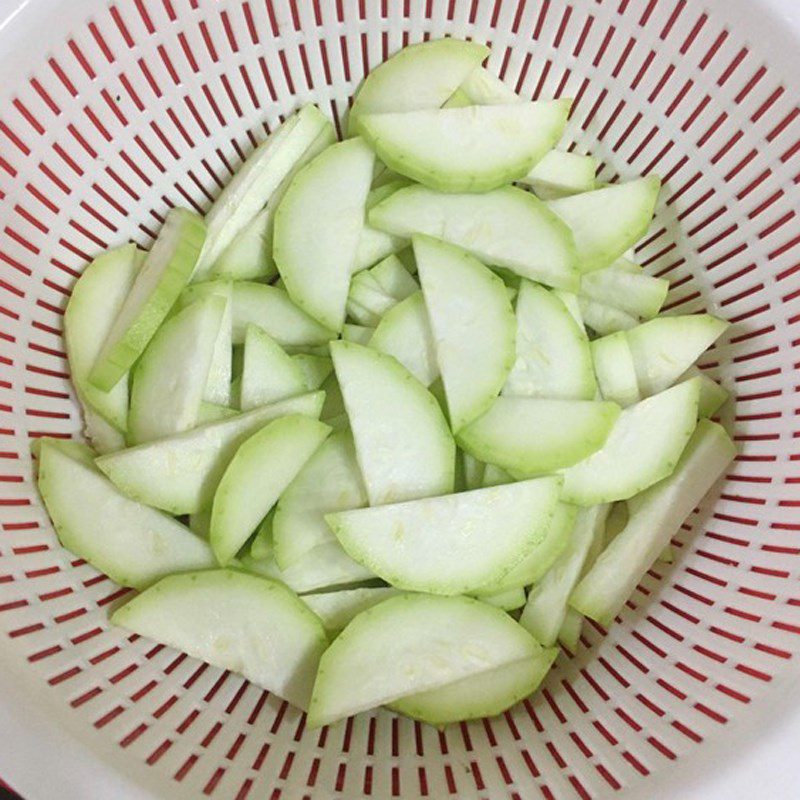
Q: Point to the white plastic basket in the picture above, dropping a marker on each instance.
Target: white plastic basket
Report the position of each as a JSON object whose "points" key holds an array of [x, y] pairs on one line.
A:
{"points": [[109, 115]]}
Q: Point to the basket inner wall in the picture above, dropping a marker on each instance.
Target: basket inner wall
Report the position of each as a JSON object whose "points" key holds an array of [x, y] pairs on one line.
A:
{"points": [[153, 103]]}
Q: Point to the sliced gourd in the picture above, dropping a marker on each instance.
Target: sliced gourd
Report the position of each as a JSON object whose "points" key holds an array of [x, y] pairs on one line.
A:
{"points": [[452, 544], [218, 385], [631, 291], [133, 544], [553, 358], [411, 644], [616, 373], [404, 448], [667, 555], [531, 436], [361, 316], [314, 369], [572, 304], [242, 623], [405, 333], [102, 435], [326, 566], [570, 634], [375, 292], [171, 376], [470, 149], [374, 245], [249, 254], [508, 600], [539, 558], [472, 324], [603, 319], [406, 81], [712, 395], [165, 271], [268, 373], [561, 174], [654, 519], [329, 481], [338, 609], [180, 473], [93, 306], [211, 412], [264, 465], [547, 604], [477, 696], [273, 311], [393, 277], [255, 181], [507, 227], [360, 334], [482, 88], [557, 174], [327, 197], [642, 448], [664, 348], [606, 222]]}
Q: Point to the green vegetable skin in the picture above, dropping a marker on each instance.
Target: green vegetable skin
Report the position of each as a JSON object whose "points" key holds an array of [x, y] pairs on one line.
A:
{"points": [[262, 468], [509, 428], [91, 311], [165, 271], [141, 546]]}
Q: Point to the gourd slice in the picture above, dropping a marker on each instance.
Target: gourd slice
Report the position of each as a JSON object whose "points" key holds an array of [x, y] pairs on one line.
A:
{"points": [[338, 609], [654, 519], [403, 82], [642, 448], [171, 376], [93, 306], [164, 273], [268, 373], [133, 544], [484, 695], [531, 436], [470, 149], [329, 481], [405, 333], [607, 222], [452, 544], [180, 473], [238, 622], [256, 476], [404, 447], [553, 358], [248, 191], [506, 227], [546, 609], [411, 644], [664, 348], [273, 311], [472, 324], [327, 197]]}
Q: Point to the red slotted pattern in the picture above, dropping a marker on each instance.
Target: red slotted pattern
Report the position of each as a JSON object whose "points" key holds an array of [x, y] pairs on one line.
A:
{"points": [[152, 104]]}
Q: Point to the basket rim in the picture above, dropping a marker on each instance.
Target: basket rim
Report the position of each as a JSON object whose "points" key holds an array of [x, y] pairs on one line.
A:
{"points": [[39, 724]]}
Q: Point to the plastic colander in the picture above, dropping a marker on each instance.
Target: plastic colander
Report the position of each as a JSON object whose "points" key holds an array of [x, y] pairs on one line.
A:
{"points": [[112, 114]]}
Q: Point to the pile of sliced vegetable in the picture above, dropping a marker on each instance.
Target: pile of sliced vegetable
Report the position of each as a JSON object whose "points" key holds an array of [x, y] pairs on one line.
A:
{"points": [[400, 411]]}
